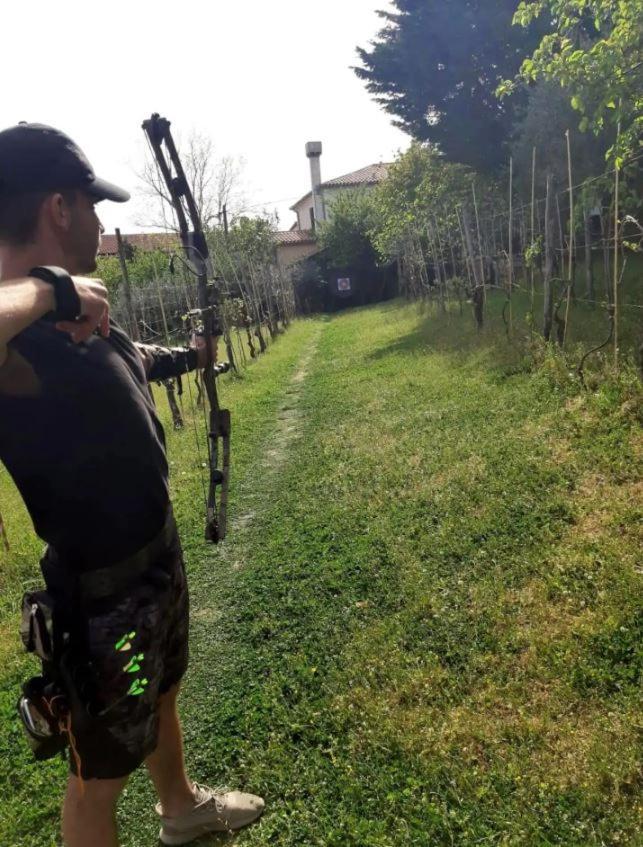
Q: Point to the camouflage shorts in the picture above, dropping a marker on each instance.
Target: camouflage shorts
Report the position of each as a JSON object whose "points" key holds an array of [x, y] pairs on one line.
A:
{"points": [[134, 650]]}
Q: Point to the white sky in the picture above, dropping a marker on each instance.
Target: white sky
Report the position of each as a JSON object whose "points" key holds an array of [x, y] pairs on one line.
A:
{"points": [[259, 78]]}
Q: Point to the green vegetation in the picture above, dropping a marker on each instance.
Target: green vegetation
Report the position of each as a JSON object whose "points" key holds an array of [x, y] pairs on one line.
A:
{"points": [[425, 626], [347, 235], [572, 103], [456, 79], [594, 50], [435, 67], [142, 266]]}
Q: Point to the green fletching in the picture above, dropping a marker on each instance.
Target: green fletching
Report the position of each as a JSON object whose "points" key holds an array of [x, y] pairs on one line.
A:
{"points": [[137, 687], [124, 643], [133, 666]]}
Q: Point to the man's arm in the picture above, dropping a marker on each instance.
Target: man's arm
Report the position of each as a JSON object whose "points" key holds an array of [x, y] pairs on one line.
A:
{"points": [[24, 301], [166, 362]]}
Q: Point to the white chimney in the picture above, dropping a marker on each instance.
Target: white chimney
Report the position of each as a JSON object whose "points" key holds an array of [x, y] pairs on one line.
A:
{"points": [[314, 151]]}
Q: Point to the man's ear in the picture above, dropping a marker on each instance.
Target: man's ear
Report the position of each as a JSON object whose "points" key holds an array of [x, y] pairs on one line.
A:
{"points": [[58, 211]]}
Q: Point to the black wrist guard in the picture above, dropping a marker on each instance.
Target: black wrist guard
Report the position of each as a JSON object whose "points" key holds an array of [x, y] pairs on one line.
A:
{"points": [[67, 299]]}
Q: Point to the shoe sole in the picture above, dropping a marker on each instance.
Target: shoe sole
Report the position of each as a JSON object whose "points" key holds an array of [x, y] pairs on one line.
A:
{"points": [[185, 837], [199, 832]]}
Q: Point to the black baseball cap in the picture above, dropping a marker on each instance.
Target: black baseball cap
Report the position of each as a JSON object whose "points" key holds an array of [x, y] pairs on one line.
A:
{"points": [[35, 157]]}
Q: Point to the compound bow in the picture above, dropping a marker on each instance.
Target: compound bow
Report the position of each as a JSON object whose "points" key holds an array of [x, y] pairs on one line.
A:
{"points": [[208, 316]]}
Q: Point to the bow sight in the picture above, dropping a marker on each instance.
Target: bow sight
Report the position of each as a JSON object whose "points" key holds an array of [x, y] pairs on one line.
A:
{"points": [[208, 315]]}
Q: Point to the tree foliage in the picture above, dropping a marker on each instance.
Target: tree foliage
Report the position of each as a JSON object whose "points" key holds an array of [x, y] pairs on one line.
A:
{"points": [[249, 244], [594, 50], [420, 186], [435, 67], [548, 116], [346, 235], [142, 267]]}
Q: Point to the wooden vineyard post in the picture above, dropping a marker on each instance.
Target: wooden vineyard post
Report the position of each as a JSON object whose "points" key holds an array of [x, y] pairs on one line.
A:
{"points": [[433, 246], [570, 271], [131, 317], [477, 295], [465, 254], [454, 272], [168, 384], [605, 236], [533, 224], [475, 206], [548, 308], [510, 252], [441, 260], [616, 235], [589, 270]]}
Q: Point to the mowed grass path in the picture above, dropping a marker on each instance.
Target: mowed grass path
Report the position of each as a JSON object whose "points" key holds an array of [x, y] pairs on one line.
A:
{"points": [[425, 627]]}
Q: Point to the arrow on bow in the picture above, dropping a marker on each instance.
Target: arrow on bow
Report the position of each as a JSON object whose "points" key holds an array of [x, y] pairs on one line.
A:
{"points": [[207, 316]]}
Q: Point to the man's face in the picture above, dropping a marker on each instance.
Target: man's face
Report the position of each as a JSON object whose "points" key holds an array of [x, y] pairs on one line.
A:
{"points": [[83, 237]]}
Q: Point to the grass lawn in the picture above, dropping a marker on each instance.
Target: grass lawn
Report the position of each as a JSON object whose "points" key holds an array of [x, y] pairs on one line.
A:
{"points": [[425, 627]]}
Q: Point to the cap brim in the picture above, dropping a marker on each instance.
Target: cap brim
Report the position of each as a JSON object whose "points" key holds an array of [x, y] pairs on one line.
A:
{"points": [[103, 190]]}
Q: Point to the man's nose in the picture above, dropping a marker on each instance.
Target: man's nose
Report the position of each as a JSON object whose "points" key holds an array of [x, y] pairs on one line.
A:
{"points": [[101, 228]]}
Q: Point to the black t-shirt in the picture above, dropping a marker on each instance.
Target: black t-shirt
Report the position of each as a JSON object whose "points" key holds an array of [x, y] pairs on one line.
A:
{"points": [[82, 441]]}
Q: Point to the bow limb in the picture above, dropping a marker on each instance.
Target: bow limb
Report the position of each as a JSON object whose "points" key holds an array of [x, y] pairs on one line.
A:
{"points": [[218, 448]]}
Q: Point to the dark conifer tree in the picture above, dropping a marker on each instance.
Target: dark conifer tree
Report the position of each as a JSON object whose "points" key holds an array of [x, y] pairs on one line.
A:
{"points": [[435, 67]]}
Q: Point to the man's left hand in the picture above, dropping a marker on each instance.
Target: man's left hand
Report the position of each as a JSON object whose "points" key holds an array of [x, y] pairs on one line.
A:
{"points": [[198, 344]]}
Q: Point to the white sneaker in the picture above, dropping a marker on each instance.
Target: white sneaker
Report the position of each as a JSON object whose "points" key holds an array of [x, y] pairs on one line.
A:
{"points": [[214, 811]]}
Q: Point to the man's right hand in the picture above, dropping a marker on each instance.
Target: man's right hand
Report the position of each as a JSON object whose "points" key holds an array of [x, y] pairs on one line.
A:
{"points": [[94, 310]]}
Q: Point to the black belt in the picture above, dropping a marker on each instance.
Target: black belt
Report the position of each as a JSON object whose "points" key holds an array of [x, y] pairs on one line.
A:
{"points": [[105, 582]]}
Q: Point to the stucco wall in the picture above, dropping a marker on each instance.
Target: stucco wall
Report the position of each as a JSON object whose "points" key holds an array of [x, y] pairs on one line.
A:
{"points": [[288, 254], [303, 211], [304, 207]]}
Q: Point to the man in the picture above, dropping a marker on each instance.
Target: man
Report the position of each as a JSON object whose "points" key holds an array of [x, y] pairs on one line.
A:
{"points": [[81, 439]]}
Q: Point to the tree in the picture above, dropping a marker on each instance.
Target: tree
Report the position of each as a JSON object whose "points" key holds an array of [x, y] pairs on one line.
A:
{"points": [[215, 184], [245, 259], [547, 117], [310, 286], [142, 267], [594, 50], [435, 67], [249, 244], [346, 235], [420, 186]]}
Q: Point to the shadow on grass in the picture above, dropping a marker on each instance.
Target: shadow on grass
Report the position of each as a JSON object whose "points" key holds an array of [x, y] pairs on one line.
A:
{"points": [[457, 336], [453, 334]]}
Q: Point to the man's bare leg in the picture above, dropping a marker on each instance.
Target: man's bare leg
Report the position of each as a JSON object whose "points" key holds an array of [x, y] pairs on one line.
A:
{"points": [[166, 764], [89, 815]]}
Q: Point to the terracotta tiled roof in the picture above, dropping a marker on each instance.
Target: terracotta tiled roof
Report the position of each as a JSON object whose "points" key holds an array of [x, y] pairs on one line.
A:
{"points": [[296, 236], [370, 175], [146, 241]]}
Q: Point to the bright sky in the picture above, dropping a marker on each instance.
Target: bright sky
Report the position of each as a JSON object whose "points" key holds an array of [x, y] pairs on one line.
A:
{"points": [[259, 78]]}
